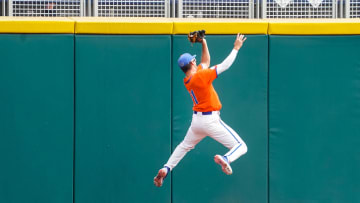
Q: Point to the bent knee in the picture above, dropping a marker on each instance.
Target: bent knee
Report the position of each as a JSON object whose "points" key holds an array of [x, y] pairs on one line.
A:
{"points": [[244, 148]]}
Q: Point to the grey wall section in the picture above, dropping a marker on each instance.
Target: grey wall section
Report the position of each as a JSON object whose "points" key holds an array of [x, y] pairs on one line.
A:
{"points": [[243, 92], [314, 118], [36, 118], [122, 117]]}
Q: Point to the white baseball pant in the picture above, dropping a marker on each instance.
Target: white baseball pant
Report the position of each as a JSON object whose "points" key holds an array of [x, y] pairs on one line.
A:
{"points": [[208, 125]]}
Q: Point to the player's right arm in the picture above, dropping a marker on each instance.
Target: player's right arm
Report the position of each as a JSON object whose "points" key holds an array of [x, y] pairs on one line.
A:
{"points": [[240, 39]]}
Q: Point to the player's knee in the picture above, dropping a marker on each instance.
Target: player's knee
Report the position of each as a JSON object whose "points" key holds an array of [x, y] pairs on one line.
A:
{"points": [[245, 148]]}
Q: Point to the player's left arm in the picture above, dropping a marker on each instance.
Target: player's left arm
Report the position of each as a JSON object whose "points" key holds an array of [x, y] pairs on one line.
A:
{"points": [[205, 55], [240, 39]]}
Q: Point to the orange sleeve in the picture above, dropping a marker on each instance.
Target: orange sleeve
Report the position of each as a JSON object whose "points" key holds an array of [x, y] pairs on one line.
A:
{"points": [[208, 75]]}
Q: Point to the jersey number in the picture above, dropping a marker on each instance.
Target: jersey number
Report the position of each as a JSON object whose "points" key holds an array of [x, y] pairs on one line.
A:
{"points": [[193, 97]]}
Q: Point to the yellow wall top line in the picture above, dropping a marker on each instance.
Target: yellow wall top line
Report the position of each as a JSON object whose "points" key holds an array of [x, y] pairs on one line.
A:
{"points": [[123, 26], [221, 26], [36, 25], [92, 25], [314, 27]]}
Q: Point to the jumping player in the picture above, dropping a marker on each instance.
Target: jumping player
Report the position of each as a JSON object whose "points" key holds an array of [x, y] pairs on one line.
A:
{"points": [[206, 119]]}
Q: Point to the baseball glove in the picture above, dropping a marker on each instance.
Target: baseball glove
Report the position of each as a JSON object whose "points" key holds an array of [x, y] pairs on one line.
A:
{"points": [[196, 36]]}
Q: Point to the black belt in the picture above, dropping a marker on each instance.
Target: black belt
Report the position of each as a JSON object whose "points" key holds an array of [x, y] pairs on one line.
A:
{"points": [[204, 113]]}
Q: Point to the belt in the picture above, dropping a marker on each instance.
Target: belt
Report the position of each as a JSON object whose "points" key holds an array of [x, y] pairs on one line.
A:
{"points": [[204, 113]]}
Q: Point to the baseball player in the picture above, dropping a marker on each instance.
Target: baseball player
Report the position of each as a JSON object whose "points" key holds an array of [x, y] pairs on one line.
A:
{"points": [[206, 119]]}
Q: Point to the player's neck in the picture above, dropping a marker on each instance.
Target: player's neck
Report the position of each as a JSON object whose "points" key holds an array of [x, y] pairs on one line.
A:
{"points": [[190, 72]]}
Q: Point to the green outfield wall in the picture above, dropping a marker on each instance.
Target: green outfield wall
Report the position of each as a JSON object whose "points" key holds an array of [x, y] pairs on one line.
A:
{"points": [[91, 109], [314, 118], [36, 118], [123, 109]]}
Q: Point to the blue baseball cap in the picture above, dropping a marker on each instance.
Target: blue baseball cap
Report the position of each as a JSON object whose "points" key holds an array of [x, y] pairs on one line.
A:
{"points": [[185, 59]]}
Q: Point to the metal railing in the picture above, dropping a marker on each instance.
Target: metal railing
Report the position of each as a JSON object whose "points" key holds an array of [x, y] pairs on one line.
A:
{"points": [[215, 9], [2, 8], [48, 8], [184, 8], [299, 9], [132, 8], [353, 8]]}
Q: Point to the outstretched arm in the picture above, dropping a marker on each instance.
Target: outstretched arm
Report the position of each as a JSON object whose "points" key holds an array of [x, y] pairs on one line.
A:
{"points": [[205, 55], [240, 39]]}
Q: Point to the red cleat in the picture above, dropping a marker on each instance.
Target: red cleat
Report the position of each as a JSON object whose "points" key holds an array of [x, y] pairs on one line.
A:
{"points": [[159, 179], [225, 166]]}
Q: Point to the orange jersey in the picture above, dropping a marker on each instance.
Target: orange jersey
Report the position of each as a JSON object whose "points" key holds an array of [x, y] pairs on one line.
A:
{"points": [[202, 91]]}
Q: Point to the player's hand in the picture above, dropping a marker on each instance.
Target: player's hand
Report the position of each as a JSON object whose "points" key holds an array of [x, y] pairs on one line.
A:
{"points": [[240, 39]]}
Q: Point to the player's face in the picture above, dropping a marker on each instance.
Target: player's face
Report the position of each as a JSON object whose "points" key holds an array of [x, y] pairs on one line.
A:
{"points": [[193, 65]]}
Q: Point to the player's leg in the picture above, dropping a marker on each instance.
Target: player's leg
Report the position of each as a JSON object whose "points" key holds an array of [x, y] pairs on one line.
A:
{"points": [[189, 143], [230, 139], [237, 147]]}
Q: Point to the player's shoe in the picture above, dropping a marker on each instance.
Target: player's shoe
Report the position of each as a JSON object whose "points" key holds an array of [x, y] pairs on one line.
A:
{"points": [[223, 162], [159, 179]]}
